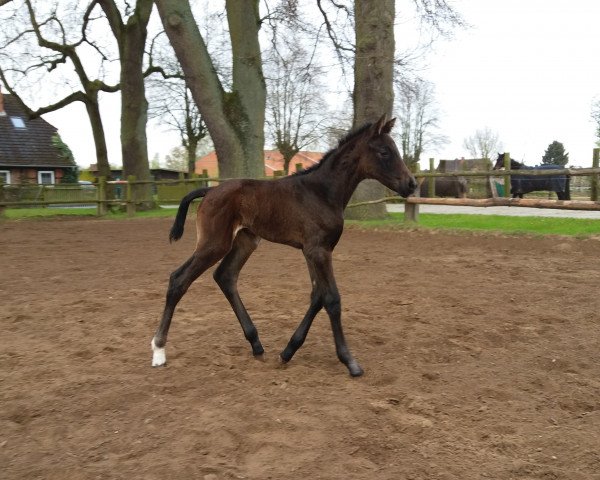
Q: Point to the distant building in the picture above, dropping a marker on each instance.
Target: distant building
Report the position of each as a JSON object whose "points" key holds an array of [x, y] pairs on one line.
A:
{"points": [[273, 162], [27, 154], [91, 173]]}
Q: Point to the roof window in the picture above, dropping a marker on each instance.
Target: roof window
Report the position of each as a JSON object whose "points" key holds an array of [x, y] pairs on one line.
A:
{"points": [[17, 122]]}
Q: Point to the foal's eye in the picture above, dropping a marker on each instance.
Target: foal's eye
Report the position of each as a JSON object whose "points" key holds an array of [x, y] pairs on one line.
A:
{"points": [[384, 154]]}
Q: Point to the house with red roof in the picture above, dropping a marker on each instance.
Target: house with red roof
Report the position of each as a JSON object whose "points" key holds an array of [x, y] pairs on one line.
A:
{"points": [[273, 162]]}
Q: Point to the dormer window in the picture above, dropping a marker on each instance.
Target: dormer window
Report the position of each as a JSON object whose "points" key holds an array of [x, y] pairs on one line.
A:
{"points": [[17, 122]]}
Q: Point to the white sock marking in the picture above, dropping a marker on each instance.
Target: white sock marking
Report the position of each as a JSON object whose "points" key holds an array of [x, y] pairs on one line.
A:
{"points": [[159, 357]]}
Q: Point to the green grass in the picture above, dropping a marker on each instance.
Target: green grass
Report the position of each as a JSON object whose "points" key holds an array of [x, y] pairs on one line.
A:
{"points": [[28, 213], [493, 223], [456, 222], [46, 213]]}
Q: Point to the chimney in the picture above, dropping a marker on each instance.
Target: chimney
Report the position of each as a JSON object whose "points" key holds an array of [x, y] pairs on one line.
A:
{"points": [[2, 112]]}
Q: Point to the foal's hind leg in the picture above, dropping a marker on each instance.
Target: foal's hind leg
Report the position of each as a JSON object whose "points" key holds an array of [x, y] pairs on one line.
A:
{"points": [[179, 282], [226, 276]]}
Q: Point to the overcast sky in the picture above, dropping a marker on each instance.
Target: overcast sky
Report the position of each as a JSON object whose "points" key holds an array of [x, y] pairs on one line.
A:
{"points": [[528, 69]]}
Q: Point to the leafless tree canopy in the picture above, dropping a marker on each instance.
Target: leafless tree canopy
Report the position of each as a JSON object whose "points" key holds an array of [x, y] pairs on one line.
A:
{"points": [[418, 118], [296, 107], [483, 143]]}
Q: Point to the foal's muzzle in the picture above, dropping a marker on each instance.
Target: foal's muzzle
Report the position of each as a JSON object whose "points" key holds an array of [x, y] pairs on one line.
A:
{"points": [[407, 187]]}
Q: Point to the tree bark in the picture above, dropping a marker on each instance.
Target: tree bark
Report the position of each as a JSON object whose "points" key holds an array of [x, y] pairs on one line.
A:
{"points": [[93, 111], [373, 85], [131, 39], [234, 119]]}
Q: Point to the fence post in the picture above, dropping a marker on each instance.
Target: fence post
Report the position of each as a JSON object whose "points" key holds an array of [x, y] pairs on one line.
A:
{"points": [[102, 206], [2, 207], [507, 177], [595, 177], [129, 198], [431, 180], [411, 210]]}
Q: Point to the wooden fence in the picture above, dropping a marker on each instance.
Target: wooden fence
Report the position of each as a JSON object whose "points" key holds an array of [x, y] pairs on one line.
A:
{"points": [[103, 195]]}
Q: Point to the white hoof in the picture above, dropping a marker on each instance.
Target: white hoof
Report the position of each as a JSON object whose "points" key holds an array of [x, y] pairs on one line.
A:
{"points": [[159, 357]]}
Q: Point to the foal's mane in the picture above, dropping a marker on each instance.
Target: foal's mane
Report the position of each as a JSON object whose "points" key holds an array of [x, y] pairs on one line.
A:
{"points": [[353, 134]]}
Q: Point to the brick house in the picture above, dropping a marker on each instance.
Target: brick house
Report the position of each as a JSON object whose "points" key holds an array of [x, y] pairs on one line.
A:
{"points": [[273, 162], [27, 154]]}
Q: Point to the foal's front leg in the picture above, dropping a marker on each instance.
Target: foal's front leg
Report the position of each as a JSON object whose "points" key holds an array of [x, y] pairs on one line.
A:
{"points": [[325, 293]]}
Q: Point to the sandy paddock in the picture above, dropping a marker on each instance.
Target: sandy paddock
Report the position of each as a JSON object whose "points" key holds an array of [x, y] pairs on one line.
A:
{"points": [[481, 352]]}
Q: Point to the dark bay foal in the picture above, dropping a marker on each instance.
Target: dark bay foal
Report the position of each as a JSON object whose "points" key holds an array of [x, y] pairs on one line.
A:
{"points": [[305, 211]]}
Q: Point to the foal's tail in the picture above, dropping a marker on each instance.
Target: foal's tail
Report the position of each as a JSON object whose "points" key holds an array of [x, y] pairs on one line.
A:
{"points": [[177, 228]]}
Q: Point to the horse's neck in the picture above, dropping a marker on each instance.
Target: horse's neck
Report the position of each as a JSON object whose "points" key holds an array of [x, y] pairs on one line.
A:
{"points": [[339, 177]]}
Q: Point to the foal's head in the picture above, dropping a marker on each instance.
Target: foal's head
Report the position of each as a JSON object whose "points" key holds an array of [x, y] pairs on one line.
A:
{"points": [[381, 160]]}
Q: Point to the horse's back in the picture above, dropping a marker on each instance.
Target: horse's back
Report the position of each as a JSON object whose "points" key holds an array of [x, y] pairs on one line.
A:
{"points": [[280, 210], [552, 183]]}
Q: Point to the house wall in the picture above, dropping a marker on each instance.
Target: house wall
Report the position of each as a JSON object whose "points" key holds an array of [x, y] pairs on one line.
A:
{"points": [[24, 176]]}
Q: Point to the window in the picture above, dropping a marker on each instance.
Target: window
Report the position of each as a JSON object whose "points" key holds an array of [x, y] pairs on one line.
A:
{"points": [[5, 177], [17, 122], [46, 177]]}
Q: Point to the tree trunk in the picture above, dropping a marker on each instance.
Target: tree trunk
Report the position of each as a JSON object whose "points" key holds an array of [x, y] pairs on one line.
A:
{"points": [[93, 111], [134, 106], [191, 147], [248, 83], [234, 119], [131, 38], [373, 85]]}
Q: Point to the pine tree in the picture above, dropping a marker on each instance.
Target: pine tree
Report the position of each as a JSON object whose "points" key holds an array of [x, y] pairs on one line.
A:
{"points": [[555, 155]]}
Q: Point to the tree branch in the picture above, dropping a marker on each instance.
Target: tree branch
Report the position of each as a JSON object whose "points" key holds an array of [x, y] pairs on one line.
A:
{"points": [[330, 32], [31, 114]]}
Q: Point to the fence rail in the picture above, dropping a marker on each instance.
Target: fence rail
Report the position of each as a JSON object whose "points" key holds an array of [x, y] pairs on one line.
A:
{"points": [[104, 194]]}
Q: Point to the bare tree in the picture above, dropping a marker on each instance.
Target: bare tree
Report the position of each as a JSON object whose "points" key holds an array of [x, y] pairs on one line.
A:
{"points": [[418, 117], [130, 32], [55, 33], [172, 103], [373, 93], [295, 102], [36, 48], [235, 118], [373, 25], [483, 143]]}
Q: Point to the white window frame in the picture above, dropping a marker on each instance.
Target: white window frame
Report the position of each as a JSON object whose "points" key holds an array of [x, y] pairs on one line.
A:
{"points": [[40, 173], [7, 175]]}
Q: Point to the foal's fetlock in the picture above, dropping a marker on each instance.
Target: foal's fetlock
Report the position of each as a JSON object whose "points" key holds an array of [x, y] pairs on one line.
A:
{"points": [[159, 356], [355, 369], [258, 351]]}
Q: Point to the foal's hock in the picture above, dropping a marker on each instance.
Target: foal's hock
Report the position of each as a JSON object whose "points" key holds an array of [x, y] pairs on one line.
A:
{"points": [[304, 211]]}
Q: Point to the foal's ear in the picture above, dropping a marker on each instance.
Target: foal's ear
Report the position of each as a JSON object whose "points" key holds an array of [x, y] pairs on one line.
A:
{"points": [[387, 128], [383, 125], [379, 127]]}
